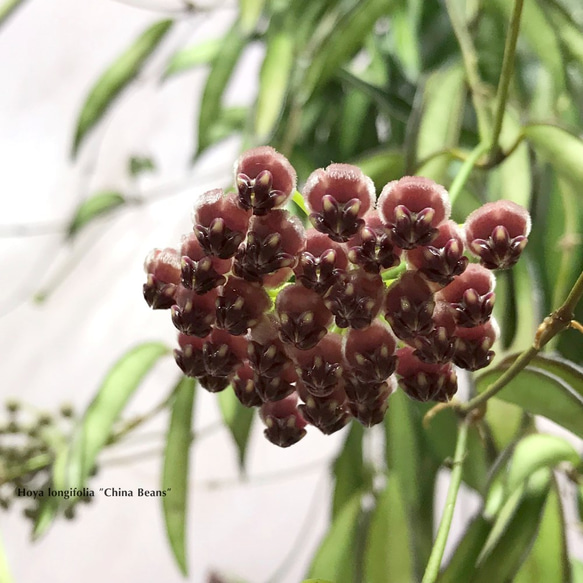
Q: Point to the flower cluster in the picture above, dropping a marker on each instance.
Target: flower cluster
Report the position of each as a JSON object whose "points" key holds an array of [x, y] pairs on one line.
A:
{"points": [[318, 326]]}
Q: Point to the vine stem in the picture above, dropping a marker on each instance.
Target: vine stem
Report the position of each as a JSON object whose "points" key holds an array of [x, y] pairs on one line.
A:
{"points": [[505, 77], [434, 563]]}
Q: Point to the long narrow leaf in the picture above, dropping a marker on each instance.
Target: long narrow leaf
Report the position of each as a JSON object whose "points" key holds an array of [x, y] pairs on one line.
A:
{"points": [[238, 419], [176, 468], [95, 427], [116, 78]]}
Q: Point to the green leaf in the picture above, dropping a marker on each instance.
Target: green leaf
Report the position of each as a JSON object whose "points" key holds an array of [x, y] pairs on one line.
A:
{"points": [[405, 36], [232, 46], [7, 9], [238, 419], [502, 557], [316, 581], [577, 567], [540, 394], [562, 150], [250, 11], [116, 78], [5, 574], [381, 166], [528, 314], [95, 427], [349, 470], [548, 559], [230, 120], [342, 42], [97, 205], [335, 558], [444, 96], [195, 56], [537, 451], [389, 555], [505, 422], [273, 83], [568, 31], [175, 472], [566, 371]]}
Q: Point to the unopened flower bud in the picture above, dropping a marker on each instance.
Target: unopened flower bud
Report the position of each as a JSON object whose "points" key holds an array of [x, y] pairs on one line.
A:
{"points": [[163, 269], [194, 314], [473, 345], [284, 423]]}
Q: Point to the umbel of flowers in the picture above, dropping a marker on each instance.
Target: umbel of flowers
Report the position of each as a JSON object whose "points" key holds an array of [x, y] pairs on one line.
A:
{"points": [[317, 326]]}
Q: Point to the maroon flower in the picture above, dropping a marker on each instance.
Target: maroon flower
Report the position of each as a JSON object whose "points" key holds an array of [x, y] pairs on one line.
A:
{"points": [[372, 412], [265, 180], [472, 345], [240, 305], [244, 387], [284, 423], [320, 368], [444, 258], [194, 314], [199, 271], [355, 299], [370, 353], [328, 413], [216, 356], [302, 316], [219, 223], [438, 346], [423, 381], [273, 243], [365, 394], [372, 247], [497, 233], [412, 208], [338, 198], [322, 263], [471, 295], [163, 269], [409, 306]]}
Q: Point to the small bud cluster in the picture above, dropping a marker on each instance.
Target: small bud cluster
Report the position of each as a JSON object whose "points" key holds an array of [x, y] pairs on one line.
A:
{"points": [[319, 326], [27, 435]]}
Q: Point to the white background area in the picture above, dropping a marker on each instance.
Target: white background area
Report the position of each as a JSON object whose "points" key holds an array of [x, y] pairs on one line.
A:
{"points": [[51, 53]]}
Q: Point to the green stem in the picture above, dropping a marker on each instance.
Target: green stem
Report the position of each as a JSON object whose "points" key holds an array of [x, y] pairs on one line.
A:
{"points": [[432, 570], [465, 171], [470, 58], [558, 321], [505, 77]]}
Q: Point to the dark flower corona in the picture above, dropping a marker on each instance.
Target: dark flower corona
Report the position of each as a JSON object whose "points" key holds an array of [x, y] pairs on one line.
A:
{"points": [[319, 327]]}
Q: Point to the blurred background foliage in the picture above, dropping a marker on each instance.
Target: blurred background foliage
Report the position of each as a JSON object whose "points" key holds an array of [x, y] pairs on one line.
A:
{"points": [[399, 87]]}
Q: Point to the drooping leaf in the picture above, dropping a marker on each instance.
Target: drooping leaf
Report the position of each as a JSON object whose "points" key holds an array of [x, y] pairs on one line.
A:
{"points": [[335, 557], [388, 555], [405, 36], [381, 166], [250, 11], [341, 43], [116, 78], [351, 475], [7, 8], [232, 45], [176, 470], [190, 57], [273, 83], [567, 30], [95, 427], [97, 205], [537, 451], [548, 559], [5, 573], [503, 556], [238, 419], [539, 393], [442, 111], [505, 422], [561, 149]]}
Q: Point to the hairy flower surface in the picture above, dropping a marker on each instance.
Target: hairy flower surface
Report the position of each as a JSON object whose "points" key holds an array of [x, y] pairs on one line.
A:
{"points": [[319, 327]]}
